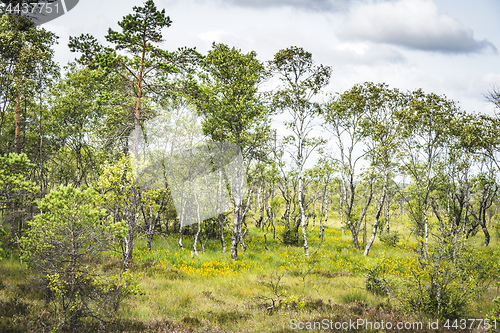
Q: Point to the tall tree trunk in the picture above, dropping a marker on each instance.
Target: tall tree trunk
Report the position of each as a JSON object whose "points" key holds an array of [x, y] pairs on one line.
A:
{"points": [[341, 211], [486, 234], [257, 204], [357, 227], [313, 213], [180, 237], [235, 237], [132, 219], [354, 233], [286, 215], [219, 210], [181, 221], [426, 230], [266, 223], [484, 227], [322, 227], [151, 232], [349, 208], [137, 127], [375, 223], [222, 240], [140, 79], [387, 215], [243, 233], [262, 205], [195, 251], [198, 220], [364, 233], [302, 215], [239, 214], [152, 225]]}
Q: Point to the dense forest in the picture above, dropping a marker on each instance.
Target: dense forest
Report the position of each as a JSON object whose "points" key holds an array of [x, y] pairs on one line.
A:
{"points": [[134, 170]]}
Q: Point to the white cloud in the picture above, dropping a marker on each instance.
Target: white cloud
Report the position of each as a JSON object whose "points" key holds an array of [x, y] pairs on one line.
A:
{"points": [[415, 24], [365, 53], [357, 48], [313, 5], [212, 36], [491, 79]]}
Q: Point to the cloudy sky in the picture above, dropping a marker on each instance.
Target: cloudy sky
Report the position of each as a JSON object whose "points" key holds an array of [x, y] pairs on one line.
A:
{"points": [[448, 47]]}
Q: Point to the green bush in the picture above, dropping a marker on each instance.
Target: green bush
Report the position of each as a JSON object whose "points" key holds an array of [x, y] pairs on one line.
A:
{"points": [[446, 280], [497, 229], [63, 245], [381, 225], [451, 304], [390, 240], [376, 284], [291, 238], [292, 302], [494, 316]]}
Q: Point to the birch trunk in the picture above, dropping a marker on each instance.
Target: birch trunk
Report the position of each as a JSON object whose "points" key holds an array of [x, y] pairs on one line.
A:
{"points": [[484, 226], [387, 216], [302, 215], [375, 223], [426, 231], [239, 214], [222, 240], [235, 237], [322, 227], [341, 209]]}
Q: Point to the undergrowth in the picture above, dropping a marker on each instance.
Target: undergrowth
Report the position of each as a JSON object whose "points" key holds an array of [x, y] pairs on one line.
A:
{"points": [[212, 293]]}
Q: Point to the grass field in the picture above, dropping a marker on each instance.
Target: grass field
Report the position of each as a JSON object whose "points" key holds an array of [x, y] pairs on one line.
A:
{"points": [[211, 293]]}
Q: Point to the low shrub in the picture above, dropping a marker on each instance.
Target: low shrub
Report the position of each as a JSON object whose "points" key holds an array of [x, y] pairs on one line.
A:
{"points": [[447, 303], [292, 302], [376, 284], [446, 280], [497, 229], [390, 240], [291, 238]]}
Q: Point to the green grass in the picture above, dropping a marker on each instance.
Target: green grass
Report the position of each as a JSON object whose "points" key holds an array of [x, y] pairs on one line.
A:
{"points": [[211, 293]]}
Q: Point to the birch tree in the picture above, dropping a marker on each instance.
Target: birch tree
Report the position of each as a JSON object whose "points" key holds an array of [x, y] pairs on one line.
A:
{"points": [[426, 126], [345, 117], [323, 177], [302, 81], [234, 112], [382, 143]]}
